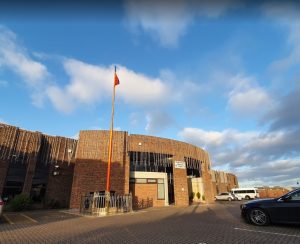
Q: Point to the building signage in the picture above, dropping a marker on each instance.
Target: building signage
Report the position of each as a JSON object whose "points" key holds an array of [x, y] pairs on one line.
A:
{"points": [[180, 165]]}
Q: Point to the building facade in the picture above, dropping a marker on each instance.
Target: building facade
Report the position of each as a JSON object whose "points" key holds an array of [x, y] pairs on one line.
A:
{"points": [[223, 182], [56, 171], [271, 192]]}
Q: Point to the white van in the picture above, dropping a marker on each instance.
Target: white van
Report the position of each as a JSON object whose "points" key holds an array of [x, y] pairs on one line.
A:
{"points": [[246, 193]]}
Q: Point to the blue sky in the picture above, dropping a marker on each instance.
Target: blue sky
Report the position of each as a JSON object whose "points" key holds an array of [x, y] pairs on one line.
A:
{"points": [[222, 75]]}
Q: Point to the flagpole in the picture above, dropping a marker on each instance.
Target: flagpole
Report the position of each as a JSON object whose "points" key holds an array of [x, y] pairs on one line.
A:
{"points": [[107, 191]]}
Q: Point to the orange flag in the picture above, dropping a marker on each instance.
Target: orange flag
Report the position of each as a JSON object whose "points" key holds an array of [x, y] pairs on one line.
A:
{"points": [[117, 82]]}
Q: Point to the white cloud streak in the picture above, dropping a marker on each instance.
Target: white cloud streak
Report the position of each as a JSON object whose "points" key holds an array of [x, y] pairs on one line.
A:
{"points": [[247, 153], [167, 21], [247, 98], [286, 14], [14, 56], [90, 84]]}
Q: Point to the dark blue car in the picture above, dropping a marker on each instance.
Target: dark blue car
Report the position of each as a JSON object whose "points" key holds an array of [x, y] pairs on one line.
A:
{"points": [[285, 209]]}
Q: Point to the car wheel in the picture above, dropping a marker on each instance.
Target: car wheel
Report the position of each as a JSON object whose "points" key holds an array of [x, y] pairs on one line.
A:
{"points": [[247, 197], [258, 217], [229, 199]]}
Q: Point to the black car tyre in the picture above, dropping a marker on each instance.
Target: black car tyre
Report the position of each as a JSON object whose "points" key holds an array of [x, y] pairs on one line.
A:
{"points": [[247, 197], [229, 199], [258, 216]]}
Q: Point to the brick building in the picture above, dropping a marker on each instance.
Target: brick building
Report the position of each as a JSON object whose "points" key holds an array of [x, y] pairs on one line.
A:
{"points": [[58, 171], [271, 192], [223, 182]]}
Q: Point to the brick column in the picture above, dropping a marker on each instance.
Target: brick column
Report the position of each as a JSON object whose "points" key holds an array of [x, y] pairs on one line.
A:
{"points": [[208, 187], [181, 193]]}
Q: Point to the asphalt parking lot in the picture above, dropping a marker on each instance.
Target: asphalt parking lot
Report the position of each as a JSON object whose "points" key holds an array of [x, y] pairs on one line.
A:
{"points": [[212, 223], [36, 217]]}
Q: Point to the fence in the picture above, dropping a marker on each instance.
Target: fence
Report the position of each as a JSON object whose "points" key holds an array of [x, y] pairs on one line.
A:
{"points": [[94, 204]]}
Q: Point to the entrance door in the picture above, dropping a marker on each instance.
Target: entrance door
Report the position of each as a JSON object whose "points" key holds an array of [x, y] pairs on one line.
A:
{"points": [[171, 188]]}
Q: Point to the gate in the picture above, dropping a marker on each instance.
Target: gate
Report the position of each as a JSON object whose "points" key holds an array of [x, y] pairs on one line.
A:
{"points": [[94, 204]]}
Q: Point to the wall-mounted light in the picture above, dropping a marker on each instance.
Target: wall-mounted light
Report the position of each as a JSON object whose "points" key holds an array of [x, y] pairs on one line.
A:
{"points": [[56, 170]]}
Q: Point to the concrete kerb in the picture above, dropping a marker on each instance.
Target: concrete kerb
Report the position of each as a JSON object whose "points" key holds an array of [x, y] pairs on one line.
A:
{"points": [[77, 212]]}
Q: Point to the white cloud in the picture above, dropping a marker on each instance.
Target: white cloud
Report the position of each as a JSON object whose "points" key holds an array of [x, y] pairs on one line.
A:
{"points": [[286, 14], [247, 98], [167, 21], [278, 172], [254, 156], [3, 121], [15, 57], [61, 101], [90, 84], [287, 114], [162, 20]]}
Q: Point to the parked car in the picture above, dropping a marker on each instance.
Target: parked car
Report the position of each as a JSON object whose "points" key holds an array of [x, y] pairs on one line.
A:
{"points": [[1, 206], [226, 196], [285, 209]]}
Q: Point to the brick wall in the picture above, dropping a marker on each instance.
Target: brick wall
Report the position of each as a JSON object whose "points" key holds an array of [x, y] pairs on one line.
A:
{"points": [[91, 164], [59, 187], [29, 148], [179, 150], [145, 195], [223, 182], [271, 192], [84, 166]]}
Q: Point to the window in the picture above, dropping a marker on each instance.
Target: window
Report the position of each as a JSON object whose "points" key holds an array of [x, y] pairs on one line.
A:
{"points": [[295, 196], [140, 181], [161, 190]]}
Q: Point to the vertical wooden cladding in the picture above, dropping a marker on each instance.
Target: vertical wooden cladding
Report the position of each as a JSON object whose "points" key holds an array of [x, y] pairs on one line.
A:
{"points": [[141, 143], [56, 149], [7, 141], [19, 146]]}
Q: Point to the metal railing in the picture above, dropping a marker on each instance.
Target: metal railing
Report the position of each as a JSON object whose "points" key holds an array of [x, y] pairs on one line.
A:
{"points": [[94, 204]]}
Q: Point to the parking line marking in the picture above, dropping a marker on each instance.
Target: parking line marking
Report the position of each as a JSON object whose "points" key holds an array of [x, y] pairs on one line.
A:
{"points": [[7, 219], [267, 232], [27, 217], [78, 214]]}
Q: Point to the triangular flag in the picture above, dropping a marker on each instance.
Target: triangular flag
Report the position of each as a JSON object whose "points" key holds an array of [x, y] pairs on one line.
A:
{"points": [[117, 81]]}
